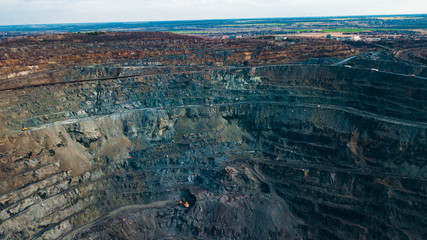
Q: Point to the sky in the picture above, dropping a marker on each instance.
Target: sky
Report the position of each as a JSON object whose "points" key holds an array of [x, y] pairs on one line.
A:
{"points": [[15, 12]]}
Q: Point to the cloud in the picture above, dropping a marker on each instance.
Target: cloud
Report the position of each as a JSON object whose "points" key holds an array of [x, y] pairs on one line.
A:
{"points": [[71, 11]]}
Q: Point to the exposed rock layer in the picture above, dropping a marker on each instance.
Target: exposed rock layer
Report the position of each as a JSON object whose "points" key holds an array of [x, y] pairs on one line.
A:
{"points": [[272, 152]]}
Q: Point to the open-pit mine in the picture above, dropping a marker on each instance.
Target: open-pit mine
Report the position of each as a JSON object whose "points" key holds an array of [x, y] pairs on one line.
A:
{"points": [[151, 135]]}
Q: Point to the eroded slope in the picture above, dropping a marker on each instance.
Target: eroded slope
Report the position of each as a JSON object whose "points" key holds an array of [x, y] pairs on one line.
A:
{"points": [[283, 151]]}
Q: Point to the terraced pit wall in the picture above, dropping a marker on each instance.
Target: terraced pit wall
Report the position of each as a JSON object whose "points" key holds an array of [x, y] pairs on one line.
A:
{"points": [[273, 152]]}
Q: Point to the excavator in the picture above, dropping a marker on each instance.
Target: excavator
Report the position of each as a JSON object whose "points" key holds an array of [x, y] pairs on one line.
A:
{"points": [[183, 203]]}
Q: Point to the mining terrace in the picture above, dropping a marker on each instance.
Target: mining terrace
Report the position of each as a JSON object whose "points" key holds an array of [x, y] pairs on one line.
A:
{"points": [[163, 136]]}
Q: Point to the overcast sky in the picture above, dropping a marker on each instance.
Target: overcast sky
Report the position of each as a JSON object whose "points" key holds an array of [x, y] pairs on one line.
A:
{"points": [[78, 11]]}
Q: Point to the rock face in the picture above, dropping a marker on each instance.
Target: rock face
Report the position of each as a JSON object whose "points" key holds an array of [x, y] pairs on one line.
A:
{"points": [[285, 151]]}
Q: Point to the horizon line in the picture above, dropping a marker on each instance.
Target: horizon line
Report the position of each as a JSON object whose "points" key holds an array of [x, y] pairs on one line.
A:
{"points": [[211, 19]]}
